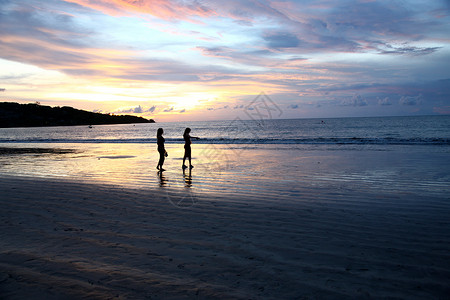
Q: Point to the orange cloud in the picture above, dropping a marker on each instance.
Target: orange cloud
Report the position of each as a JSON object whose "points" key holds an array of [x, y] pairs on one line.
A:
{"points": [[65, 58], [164, 9]]}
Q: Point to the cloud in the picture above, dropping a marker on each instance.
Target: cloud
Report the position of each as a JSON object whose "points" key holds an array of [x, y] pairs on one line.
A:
{"points": [[411, 100], [384, 102], [356, 26], [265, 58], [136, 110], [2, 90], [164, 9], [218, 108], [407, 50], [59, 42], [182, 111], [151, 109], [293, 106], [168, 109], [288, 47], [356, 100], [279, 40], [351, 87], [54, 38], [444, 110], [97, 111]]}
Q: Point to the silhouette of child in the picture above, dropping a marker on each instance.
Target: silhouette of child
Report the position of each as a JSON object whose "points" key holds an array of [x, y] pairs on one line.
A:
{"points": [[162, 151], [187, 147]]}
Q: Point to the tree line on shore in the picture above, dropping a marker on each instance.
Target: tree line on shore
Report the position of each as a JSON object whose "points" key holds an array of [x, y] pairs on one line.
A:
{"points": [[35, 115]]}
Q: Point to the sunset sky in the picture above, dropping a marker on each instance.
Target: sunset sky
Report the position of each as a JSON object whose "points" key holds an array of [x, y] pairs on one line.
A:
{"points": [[198, 60]]}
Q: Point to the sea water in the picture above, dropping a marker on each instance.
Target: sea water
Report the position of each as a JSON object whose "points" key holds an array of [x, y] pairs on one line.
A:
{"points": [[268, 157], [422, 130]]}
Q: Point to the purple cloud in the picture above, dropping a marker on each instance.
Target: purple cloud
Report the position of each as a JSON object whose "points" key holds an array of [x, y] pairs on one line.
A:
{"points": [[355, 101], [411, 100], [151, 109], [137, 110]]}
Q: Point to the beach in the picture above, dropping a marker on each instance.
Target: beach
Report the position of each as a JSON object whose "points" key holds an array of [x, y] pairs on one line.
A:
{"points": [[265, 223], [248, 150]]}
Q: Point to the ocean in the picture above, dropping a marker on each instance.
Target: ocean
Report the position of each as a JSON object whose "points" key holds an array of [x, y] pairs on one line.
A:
{"points": [[422, 130], [273, 158]]}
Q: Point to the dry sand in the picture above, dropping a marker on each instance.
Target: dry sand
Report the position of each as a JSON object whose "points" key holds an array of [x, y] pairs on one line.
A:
{"points": [[72, 240]]}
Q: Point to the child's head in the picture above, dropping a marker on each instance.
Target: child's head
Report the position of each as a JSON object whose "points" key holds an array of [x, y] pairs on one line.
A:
{"points": [[160, 131]]}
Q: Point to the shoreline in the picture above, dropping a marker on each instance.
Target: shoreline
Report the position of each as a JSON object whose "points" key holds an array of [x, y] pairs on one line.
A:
{"points": [[68, 239]]}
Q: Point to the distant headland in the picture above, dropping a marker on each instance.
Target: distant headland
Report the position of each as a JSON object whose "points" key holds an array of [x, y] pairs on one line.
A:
{"points": [[36, 115]]}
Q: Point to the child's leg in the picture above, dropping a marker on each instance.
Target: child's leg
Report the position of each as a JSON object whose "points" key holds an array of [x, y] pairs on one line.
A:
{"points": [[161, 160]]}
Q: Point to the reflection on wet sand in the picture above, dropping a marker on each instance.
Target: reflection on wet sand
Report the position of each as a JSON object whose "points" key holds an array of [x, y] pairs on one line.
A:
{"points": [[162, 179], [187, 177]]}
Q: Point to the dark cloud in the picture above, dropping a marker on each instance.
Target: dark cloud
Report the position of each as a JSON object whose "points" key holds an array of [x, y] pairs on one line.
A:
{"points": [[377, 18], [168, 109], [2, 90], [280, 40], [182, 111], [151, 109], [137, 110], [408, 50], [218, 108], [352, 26]]}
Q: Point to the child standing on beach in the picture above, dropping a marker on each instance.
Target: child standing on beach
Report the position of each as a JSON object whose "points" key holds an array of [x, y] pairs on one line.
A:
{"points": [[187, 147], [161, 149]]}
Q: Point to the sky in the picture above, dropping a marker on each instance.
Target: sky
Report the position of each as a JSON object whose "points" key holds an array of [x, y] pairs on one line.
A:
{"points": [[180, 60]]}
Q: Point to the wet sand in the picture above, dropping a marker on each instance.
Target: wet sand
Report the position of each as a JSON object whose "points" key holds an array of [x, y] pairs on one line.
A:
{"points": [[67, 239], [33, 150]]}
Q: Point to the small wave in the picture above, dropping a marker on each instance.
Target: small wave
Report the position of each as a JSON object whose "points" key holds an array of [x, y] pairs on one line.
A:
{"points": [[116, 156]]}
